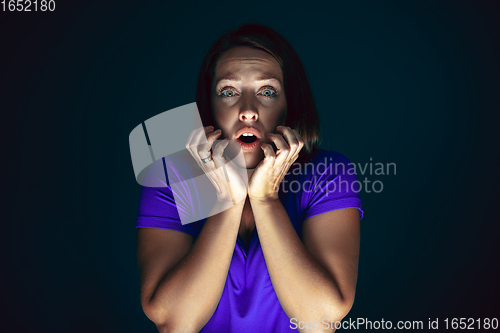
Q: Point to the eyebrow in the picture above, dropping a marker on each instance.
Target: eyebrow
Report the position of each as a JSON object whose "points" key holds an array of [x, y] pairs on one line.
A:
{"points": [[260, 78]]}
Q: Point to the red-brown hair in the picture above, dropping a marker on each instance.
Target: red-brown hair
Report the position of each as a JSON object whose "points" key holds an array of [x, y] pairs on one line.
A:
{"points": [[302, 114]]}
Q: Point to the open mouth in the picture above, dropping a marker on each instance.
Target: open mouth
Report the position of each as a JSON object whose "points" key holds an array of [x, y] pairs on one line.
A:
{"points": [[248, 141], [247, 138]]}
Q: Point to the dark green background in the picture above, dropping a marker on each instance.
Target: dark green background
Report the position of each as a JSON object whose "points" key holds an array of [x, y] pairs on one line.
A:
{"points": [[410, 82]]}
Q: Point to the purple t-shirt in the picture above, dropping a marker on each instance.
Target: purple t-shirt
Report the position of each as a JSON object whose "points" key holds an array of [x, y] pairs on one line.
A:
{"points": [[249, 302]]}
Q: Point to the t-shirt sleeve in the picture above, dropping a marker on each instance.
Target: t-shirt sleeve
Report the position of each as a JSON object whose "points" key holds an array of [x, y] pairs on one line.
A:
{"points": [[157, 209], [333, 185]]}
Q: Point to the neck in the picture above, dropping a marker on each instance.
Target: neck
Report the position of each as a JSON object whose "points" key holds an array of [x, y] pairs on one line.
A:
{"points": [[250, 172]]}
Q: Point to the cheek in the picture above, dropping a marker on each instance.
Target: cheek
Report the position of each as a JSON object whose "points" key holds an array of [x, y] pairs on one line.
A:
{"points": [[217, 115], [221, 121], [274, 117], [281, 117]]}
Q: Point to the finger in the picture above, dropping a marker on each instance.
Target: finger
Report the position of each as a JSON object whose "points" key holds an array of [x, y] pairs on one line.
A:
{"points": [[293, 144], [299, 138], [191, 146], [194, 146], [218, 152], [208, 130], [295, 147], [283, 147], [190, 138], [204, 148], [201, 136], [296, 143], [212, 137], [194, 140], [301, 144], [269, 155], [290, 137], [199, 141]]}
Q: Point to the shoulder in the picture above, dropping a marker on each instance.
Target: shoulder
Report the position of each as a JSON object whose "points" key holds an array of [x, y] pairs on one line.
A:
{"points": [[330, 183]]}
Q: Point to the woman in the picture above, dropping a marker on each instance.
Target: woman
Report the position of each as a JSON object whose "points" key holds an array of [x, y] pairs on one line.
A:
{"points": [[285, 256]]}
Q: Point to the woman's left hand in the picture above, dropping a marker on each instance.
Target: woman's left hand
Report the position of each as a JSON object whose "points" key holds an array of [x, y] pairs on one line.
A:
{"points": [[265, 181]]}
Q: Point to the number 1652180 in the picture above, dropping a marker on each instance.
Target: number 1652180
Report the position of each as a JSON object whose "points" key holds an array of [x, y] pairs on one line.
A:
{"points": [[28, 5]]}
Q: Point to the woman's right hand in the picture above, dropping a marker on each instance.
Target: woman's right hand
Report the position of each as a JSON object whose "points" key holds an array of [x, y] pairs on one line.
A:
{"points": [[199, 145]]}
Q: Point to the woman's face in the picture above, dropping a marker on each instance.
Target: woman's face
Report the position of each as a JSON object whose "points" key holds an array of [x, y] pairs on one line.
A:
{"points": [[248, 99]]}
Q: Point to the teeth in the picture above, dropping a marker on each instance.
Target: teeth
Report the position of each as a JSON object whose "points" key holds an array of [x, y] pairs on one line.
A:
{"points": [[247, 134]]}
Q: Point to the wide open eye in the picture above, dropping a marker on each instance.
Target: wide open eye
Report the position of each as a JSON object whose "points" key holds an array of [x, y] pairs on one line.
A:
{"points": [[269, 92], [227, 92]]}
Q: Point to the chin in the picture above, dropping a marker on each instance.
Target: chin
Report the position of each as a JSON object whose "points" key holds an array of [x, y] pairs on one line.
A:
{"points": [[252, 159], [247, 159]]}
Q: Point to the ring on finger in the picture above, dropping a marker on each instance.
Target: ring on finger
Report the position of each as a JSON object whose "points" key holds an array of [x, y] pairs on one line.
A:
{"points": [[207, 159]]}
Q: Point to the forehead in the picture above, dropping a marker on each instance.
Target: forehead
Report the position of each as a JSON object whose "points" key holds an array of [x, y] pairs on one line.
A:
{"points": [[242, 63]]}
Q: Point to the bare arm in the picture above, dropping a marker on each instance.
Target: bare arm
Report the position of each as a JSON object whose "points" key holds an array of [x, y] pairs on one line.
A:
{"points": [[314, 279], [182, 281]]}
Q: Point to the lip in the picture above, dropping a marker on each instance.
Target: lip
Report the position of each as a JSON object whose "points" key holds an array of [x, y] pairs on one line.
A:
{"points": [[248, 146]]}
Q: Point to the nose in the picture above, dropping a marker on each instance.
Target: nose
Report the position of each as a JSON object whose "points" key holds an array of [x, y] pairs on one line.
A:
{"points": [[248, 115]]}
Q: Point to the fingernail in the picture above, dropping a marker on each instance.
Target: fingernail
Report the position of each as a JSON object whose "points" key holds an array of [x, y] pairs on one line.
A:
{"points": [[209, 127], [217, 131]]}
